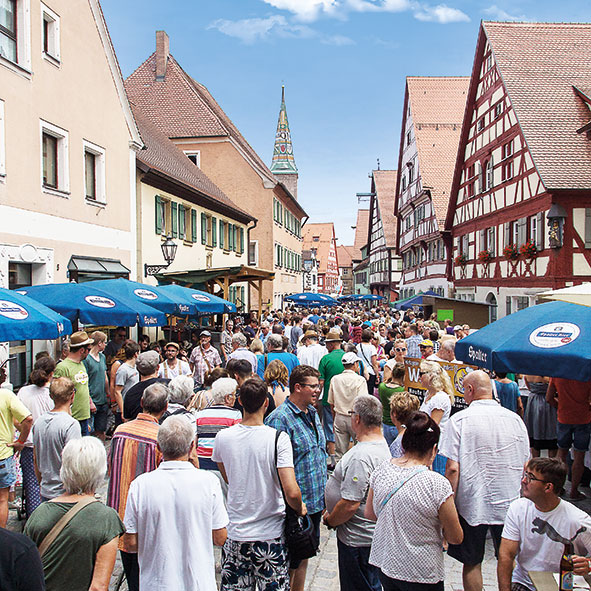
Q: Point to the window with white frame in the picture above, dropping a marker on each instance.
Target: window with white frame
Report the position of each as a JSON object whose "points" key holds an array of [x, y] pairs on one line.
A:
{"points": [[50, 33], [94, 173], [253, 253], [2, 142], [15, 36], [55, 174], [194, 156]]}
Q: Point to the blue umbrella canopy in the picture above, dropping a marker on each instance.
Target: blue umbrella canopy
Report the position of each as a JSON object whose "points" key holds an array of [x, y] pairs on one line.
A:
{"points": [[552, 339], [144, 294], [311, 299], [370, 297], [22, 318], [205, 303], [90, 305]]}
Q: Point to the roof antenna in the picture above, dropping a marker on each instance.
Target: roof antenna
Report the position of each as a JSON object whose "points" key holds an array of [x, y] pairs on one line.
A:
{"points": [[378, 164]]}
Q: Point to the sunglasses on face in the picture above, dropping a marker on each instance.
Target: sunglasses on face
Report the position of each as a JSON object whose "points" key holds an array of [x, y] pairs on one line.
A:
{"points": [[399, 350]]}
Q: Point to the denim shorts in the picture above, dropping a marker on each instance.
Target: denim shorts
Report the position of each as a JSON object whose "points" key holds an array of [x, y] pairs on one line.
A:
{"points": [[576, 436], [7, 472], [328, 423]]}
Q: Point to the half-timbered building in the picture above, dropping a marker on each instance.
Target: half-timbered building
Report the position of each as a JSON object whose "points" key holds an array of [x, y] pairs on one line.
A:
{"points": [[431, 123], [520, 212], [321, 240], [385, 265]]}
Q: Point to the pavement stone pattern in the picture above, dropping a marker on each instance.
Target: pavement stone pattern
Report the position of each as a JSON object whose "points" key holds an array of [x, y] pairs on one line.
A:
{"points": [[322, 572]]}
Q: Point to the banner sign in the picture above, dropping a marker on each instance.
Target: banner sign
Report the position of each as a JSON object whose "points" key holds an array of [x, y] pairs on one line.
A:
{"points": [[456, 371]]}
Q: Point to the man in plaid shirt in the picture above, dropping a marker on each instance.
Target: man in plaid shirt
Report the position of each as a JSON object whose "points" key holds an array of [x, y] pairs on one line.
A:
{"points": [[204, 358], [297, 416]]}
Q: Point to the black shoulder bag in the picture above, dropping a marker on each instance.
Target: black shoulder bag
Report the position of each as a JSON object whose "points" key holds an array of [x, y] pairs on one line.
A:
{"points": [[301, 541]]}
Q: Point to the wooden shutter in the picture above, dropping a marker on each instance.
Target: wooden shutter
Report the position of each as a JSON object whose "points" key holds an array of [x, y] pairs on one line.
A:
{"points": [[203, 229], [507, 232], [158, 214], [493, 241], [182, 233], [481, 241], [214, 232], [522, 231], [540, 231], [230, 236], [241, 240], [587, 227], [221, 233], [193, 226], [174, 212]]}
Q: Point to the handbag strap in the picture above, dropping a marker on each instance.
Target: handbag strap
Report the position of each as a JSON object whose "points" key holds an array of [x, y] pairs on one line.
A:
{"points": [[56, 530], [414, 473]]}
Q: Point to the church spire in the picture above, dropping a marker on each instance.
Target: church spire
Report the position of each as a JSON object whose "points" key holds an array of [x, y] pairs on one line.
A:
{"points": [[283, 162]]}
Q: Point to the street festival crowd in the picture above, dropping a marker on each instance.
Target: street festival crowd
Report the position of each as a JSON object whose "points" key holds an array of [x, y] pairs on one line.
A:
{"points": [[300, 413]]}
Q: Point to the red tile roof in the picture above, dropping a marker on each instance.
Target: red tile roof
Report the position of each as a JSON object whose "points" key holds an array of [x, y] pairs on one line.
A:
{"points": [[163, 156], [361, 229], [437, 109], [385, 186], [345, 255], [182, 108], [325, 234], [539, 64]]}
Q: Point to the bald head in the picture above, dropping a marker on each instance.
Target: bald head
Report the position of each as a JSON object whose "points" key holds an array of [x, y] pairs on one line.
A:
{"points": [[477, 386], [447, 350]]}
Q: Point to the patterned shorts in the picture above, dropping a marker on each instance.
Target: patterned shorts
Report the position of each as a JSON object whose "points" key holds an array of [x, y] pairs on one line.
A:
{"points": [[248, 566]]}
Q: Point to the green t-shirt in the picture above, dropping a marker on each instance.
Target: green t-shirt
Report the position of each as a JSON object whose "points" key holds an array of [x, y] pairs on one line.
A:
{"points": [[96, 378], [77, 373], [69, 562], [330, 366], [385, 395]]}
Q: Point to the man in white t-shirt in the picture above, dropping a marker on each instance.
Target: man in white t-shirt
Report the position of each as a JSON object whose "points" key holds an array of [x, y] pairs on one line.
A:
{"points": [[172, 367], [256, 464], [486, 446], [313, 351], [538, 525], [172, 515]]}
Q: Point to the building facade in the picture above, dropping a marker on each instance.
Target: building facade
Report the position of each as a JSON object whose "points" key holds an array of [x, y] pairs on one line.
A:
{"points": [[385, 266], [67, 152], [175, 199], [520, 212], [360, 258], [310, 271], [345, 256], [431, 122], [321, 239], [190, 117]]}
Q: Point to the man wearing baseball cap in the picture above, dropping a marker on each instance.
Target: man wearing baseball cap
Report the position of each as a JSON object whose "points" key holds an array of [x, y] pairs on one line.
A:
{"points": [[73, 368], [204, 358], [426, 348]]}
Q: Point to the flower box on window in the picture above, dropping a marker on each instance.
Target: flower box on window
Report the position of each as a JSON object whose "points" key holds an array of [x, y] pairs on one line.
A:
{"points": [[511, 252]]}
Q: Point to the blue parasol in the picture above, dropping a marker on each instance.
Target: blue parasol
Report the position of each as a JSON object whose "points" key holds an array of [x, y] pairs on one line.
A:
{"points": [[552, 339], [144, 294], [22, 318], [310, 299], [205, 303], [90, 305]]}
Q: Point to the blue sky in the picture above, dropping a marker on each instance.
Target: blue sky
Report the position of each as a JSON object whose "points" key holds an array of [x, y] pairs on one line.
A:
{"points": [[343, 63]]}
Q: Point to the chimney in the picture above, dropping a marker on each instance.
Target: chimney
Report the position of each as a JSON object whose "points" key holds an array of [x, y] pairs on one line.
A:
{"points": [[162, 52]]}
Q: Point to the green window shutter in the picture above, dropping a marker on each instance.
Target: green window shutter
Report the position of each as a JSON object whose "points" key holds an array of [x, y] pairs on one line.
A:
{"points": [[158, 211], [230, 236], [241, 240], [221, 233], [193, 226], [174, 217], [203, 228], [235, 238], [182, 233], [214, 232]]}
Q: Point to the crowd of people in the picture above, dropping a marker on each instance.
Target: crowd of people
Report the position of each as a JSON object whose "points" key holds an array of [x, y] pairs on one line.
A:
{"points": [[299, 413]]}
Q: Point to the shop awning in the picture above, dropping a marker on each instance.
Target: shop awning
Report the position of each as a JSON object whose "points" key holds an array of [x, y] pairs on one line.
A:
{"points": [[96, 265]]}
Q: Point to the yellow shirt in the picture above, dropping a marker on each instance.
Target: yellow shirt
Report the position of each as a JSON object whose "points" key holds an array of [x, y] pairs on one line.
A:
{"points": [[10, 408]]}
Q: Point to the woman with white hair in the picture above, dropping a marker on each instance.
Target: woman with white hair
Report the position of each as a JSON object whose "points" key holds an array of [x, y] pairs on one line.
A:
{"points": [[438, 400], [210, 421], [82, 555], [180, 393]]}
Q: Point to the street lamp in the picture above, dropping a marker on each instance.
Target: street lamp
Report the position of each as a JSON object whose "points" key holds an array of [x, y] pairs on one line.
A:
{"points": [[168, 252]]}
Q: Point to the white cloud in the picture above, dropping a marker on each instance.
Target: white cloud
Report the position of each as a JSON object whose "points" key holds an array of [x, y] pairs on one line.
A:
{"points": [[250, 30], [441, 14], [496, 13], [307, 10]]}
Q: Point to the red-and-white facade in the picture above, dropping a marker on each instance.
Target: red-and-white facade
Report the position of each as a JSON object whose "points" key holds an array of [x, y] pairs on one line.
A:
{"points": [[321, 239], [431, 124], [514, 188]]}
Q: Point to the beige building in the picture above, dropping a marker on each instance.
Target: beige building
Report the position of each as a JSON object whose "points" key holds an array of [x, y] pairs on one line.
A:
{"points": [[176, 200], [186, 112], [67, 150]]}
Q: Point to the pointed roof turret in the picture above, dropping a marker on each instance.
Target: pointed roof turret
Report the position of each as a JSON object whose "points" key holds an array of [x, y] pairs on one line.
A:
{"points": [[283, 160]]}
